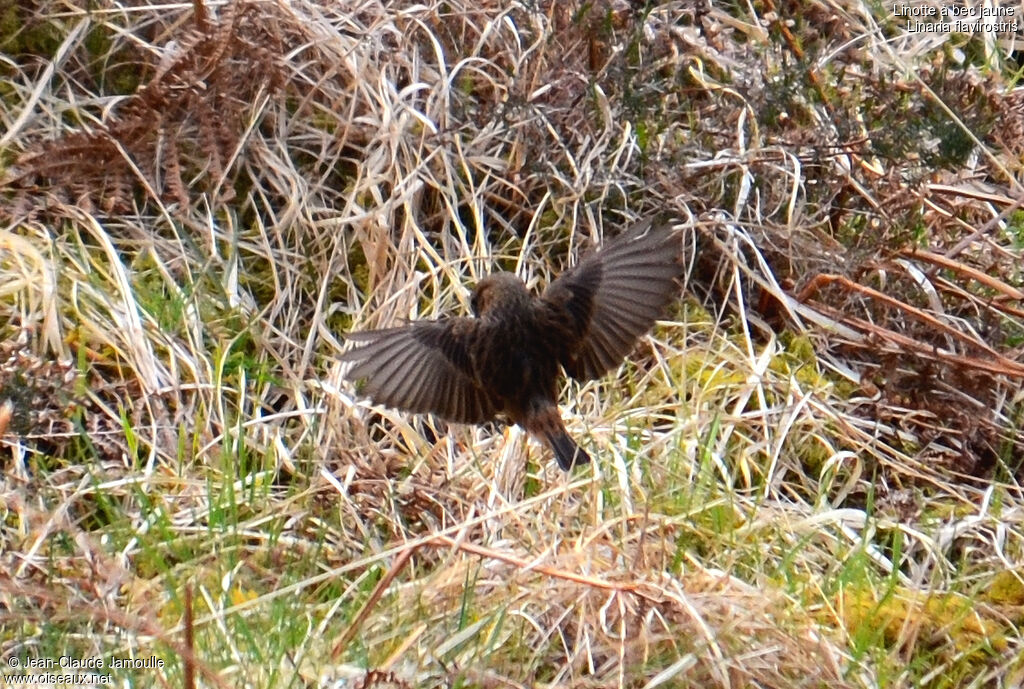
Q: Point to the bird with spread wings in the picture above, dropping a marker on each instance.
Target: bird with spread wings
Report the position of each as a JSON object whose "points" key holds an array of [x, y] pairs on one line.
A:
{"points": [[504, 360]]}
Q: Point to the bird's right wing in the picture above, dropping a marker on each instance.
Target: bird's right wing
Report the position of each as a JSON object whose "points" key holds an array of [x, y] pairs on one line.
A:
{"points": [[422, 367], [614, 295]]}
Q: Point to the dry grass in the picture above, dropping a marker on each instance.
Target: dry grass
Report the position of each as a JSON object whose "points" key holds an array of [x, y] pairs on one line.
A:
{"points": [[807, 476]]}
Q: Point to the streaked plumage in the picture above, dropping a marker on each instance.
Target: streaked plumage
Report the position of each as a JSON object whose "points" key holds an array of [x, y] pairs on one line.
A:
{"points": [[505, 360]]}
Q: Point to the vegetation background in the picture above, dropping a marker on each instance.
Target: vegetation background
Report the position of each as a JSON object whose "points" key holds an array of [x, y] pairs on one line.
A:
{"points": [[807, 476]]}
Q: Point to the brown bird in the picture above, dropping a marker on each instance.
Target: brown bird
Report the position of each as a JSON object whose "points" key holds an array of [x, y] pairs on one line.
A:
{"points": [[505, 360]]}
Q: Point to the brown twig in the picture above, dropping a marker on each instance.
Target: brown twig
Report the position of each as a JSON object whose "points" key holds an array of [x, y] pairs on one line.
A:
{"points": [[944, 261], [400, 562], [824, 279], [555, 572]]}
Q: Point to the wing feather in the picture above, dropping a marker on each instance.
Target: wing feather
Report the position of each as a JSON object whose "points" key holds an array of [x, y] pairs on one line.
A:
{"points": [[613, 296], [422, 367]]}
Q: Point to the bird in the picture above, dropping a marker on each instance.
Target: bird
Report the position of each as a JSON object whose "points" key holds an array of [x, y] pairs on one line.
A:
{"points": [[504, 360]]}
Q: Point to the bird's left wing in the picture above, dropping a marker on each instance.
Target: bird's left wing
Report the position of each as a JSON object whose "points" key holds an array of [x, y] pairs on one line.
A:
{"points": [[422, 367]]}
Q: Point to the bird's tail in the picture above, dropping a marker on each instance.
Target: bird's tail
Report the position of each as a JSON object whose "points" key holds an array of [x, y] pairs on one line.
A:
{"points": [[547, 425], [567, 452]]}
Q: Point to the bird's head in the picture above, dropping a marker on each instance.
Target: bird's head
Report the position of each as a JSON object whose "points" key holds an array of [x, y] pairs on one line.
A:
{"points": [[499, 291]]}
